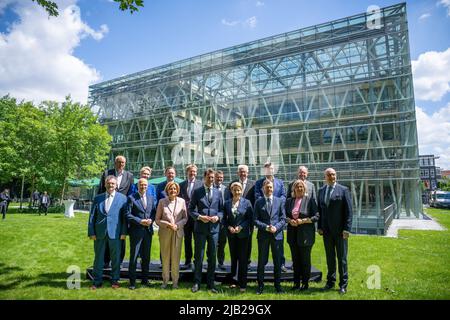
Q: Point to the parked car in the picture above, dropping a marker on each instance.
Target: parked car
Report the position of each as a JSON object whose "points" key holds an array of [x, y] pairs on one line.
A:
{"points": [[440, 199]]}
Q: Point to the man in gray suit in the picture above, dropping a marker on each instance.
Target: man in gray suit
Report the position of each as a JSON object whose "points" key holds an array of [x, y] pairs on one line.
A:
{"points": [[335, 224], [303, 175], [125, 180], [107, 224]]}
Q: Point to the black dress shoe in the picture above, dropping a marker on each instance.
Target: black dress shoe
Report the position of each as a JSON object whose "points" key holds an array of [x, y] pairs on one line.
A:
{"points": [[342, 291], [259, 291], [328, 286], [195, 288], [304, 287]]}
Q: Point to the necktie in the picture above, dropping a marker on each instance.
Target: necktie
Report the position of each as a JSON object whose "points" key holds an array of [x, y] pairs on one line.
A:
{"points": [[144, 201], [209, 194], [190, 189], [269, 205], [108, 203], [327, 196]]}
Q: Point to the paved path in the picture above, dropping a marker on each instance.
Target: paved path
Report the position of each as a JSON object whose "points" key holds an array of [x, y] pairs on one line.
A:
{"points": [[413, 224]]}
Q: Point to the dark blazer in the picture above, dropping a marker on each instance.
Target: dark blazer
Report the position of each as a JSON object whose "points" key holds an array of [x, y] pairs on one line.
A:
{"points": [[47, 204], [244, 217], [277, 217], [199, 205], [125, 184], [184, 190], [136, 213], [113, 223], [249, 192], [305, 234], [278, 189], [309, 185], [337, 216]]}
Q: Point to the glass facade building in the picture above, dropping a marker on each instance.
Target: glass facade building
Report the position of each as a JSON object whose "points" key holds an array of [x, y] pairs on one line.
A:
{"points": [[338, 94]]}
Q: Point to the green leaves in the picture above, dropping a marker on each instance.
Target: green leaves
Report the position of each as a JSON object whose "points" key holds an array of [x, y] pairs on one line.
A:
{"points": [[51, 143], [131, 5], [53, 11]]}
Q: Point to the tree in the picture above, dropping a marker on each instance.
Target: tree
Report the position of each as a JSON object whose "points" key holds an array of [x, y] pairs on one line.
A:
{"points": [[52, 8], [49, 144], [80, 145]]}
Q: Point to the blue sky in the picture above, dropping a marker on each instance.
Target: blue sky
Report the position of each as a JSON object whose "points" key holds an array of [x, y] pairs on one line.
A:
{"points": [[93, 41]]}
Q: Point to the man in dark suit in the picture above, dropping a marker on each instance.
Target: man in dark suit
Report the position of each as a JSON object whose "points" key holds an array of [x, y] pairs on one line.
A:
{"points": [[303, 175], [249, 194], [4, 200], [107, 224], [335, 223], [44, 203], [170, 174], [278, 191], [270, 219], [124, 181], [206, 209], [218, 184], [187, 188], [140, 215]]}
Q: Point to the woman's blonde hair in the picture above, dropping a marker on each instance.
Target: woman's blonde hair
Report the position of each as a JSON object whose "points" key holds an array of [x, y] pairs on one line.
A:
{"points": [[294, 186], [171, 183]]}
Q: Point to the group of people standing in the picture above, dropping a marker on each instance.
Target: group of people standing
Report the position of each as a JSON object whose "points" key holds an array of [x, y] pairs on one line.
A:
{"points": [[211, 213]]}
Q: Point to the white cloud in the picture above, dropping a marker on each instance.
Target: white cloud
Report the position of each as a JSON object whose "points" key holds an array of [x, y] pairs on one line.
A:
{"points": [[445, 3], [434, 134], [230, 23], [424, 16], [36, 54], [251, 22], [259, 3], [432, 75]]}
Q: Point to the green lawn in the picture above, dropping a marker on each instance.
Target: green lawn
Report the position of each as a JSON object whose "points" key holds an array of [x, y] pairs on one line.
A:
{"points": [[37, 250]]}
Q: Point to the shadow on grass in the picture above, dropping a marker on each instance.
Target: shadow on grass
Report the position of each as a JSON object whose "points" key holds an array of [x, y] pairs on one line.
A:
{"points": [[54, 280]]}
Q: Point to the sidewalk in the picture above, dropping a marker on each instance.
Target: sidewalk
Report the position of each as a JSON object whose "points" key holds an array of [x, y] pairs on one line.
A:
{"points": [[413, 224]]}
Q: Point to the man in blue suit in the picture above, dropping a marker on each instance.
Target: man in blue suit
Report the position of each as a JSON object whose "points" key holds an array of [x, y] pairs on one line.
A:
{"points": [[145, 172], [278, 191], [335, 224], [141, 214], [270, 219], [170, 174], [206, 209], [107, 224]]}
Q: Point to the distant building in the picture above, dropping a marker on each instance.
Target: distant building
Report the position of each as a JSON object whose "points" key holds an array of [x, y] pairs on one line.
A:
{"points": [[429, 175], [445, 174]]}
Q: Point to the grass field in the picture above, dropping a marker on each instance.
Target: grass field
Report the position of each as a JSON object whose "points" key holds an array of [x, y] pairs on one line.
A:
{"points": [[37, 250]]}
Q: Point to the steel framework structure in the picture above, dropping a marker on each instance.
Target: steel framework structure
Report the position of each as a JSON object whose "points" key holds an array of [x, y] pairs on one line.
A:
{"points": [[338, 94]]}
